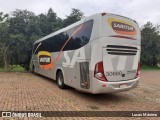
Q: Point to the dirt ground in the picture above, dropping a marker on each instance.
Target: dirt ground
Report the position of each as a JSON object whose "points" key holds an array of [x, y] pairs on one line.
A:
{"points": [[28, 92]]}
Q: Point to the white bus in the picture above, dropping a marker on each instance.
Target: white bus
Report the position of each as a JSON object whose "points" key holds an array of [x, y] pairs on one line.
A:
{"points": [[99, 54]]}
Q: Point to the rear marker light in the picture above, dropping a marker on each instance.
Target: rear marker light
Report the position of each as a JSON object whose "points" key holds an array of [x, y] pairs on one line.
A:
{"points": [[98, 75], [103, 14], [138, 71], [103, 85], [99, 71]]}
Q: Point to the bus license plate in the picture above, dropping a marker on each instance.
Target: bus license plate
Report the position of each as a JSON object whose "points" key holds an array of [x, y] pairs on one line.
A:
{"points": [[124, 85]]}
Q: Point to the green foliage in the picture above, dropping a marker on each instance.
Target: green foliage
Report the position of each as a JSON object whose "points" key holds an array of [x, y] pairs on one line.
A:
{"points": [[150, 54], [13, 68], [21, 28], [49, 22], [1, 60], [75, 16], [145, 67], [5, 40]]}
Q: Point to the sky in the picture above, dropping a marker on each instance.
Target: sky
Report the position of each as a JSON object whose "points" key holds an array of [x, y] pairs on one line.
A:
{"points": [[140, 10]]}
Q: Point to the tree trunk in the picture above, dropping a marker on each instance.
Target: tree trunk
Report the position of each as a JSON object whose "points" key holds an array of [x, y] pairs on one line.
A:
{"points": [[5, 58], [155, 62]]}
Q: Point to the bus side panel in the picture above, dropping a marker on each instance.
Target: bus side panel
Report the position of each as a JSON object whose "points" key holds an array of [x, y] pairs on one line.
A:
{"points": [[86, 59], [70, 62], [96, 56]]}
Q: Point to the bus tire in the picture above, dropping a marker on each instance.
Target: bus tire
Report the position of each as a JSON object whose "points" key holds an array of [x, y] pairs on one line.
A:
{"points": [[60, 80]]}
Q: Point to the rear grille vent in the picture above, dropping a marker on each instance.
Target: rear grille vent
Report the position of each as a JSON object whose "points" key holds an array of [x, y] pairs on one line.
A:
{"points": [[121, 50], [84, 75]]}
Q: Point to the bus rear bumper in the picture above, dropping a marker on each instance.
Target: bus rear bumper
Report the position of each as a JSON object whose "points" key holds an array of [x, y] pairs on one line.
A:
{"points": [[113, 87]]}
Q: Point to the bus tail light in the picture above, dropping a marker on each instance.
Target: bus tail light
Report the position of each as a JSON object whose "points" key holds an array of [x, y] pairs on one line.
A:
{"points": [[103, 14], [99, 71], [138, 71]]}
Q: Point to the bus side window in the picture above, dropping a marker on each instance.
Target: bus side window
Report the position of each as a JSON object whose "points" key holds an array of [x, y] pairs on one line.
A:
{"points": [[82, 37], [78, 40]]}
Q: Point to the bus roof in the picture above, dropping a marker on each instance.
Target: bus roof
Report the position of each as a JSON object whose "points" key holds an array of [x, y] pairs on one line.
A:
{"points": [[77, 23]]}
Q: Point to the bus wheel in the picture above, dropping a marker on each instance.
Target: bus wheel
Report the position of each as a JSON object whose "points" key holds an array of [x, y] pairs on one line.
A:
{"points": [[60, 80]]}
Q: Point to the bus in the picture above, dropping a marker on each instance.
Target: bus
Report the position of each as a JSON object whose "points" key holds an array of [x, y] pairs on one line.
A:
{"points": [[98, 54]]}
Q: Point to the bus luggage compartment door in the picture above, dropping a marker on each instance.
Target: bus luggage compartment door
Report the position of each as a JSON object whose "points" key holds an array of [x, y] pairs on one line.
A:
{"points": [[84, 75]]}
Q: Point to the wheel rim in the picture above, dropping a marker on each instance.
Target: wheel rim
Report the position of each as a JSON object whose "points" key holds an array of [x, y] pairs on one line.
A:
{"points": [[60, 80]]}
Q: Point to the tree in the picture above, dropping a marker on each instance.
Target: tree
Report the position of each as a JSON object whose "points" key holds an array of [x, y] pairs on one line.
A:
{"points": [[150, 54], [49, 22], [24, 31], [5, 40], [21, 28], [75, 16]]}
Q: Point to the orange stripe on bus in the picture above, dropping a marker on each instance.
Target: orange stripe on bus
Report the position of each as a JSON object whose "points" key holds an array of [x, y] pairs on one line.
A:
{"points": [[68, 41]]}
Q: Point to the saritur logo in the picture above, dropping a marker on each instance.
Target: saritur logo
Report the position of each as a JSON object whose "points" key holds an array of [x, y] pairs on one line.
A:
{"points": [[122, 27], [45, 60]]}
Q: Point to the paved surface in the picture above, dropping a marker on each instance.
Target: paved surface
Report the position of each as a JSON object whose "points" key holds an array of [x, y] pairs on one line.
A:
{"points": [[25, 91]]}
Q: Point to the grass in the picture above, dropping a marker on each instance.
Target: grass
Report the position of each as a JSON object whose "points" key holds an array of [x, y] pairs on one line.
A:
{"points": [[150, 68], [14, 68]]}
